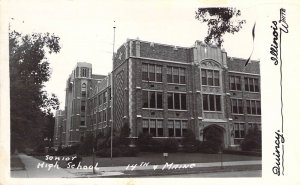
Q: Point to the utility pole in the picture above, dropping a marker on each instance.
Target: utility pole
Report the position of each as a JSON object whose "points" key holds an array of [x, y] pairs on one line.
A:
{"points": [[112, 122]]}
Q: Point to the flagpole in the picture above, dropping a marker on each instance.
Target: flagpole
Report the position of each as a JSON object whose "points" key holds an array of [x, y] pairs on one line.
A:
{"points": [[112, 124]]}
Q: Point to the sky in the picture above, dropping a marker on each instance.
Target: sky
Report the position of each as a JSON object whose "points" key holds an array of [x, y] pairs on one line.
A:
{"points": [[85, 29]]}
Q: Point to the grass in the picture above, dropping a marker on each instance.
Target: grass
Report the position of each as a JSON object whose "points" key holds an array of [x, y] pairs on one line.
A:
{"points": [[157, 158]]}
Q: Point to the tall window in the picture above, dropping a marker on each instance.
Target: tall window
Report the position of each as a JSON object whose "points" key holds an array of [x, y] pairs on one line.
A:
{"points": [[100, 99], [177, 101], [239, 130], [235, 83], [237, 106], [84, 72], [177, 128], [251, 84], [152, 99], [104, 96], [151, 72], [210, 77], [153, 127], [82, 106], [253, 107], [176, 75], [83, 90], [82, 121], [211, 102]]}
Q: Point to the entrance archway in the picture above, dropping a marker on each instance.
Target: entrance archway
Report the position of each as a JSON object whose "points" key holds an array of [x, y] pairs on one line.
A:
{"points": [[214, 134]]}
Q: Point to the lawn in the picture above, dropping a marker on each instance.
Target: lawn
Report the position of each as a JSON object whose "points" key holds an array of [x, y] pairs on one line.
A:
{"points": [[157, 158]]}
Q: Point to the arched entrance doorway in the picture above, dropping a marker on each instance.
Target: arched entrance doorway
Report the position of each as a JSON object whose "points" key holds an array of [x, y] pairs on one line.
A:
{"points": [[214, 135]]}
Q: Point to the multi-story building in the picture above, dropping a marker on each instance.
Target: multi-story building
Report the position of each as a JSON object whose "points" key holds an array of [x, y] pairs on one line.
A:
{"points": [[165, 90], [58, 127]]}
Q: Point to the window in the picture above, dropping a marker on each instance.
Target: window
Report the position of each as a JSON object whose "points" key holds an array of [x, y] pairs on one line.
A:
{"points": [[237, 106], [151, 72], [254, 126], [152, 99], [105, 97], [100, 99], [84, 72], [253, 107], [82, 121], [251, 84], [159, 100], [82, 106], [83, 90], [239, 130], [210, 77], [145, 126], [104, 116], [182, 75], [171, 128], [176, 75], [158, 72], [153, 127], [145, 99], [177, 101], [235, 83], [159, 125], [211, 102], [177, 128]]}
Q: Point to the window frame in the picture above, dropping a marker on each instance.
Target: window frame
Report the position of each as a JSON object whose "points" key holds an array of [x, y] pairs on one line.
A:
{"points": [[155, 99], [208, 102], [155, 72], [205, 75], [180, 95]]}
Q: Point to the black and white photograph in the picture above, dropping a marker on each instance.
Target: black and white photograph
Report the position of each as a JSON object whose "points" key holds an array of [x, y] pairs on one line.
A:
{"points": [[130, 91]]}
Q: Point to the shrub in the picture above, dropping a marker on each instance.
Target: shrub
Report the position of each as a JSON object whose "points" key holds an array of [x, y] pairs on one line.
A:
{"points": [[105, 152], [252, 140], [86, 147], [192, 147], [69, 150], [209, 147], [170, 145]]}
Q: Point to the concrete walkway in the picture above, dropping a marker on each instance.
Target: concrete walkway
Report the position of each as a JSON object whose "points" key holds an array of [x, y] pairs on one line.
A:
{"points": [[121, 170], [32, 170], [37, 168]]}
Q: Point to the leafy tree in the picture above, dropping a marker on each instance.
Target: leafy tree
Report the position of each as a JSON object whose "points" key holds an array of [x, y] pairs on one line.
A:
{"points": [[219, 21], [29, 69], [252, 140]]}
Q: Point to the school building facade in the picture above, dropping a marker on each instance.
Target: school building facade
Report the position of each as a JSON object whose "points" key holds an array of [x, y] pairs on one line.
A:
{"points": [[164, 90]]}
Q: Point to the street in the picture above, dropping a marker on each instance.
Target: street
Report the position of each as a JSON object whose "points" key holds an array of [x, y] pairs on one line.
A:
{"points": [[252, 173]]}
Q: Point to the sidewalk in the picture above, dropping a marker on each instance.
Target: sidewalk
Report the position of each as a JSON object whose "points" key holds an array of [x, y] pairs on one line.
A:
{"points": [[168, 168], [31, 170]]}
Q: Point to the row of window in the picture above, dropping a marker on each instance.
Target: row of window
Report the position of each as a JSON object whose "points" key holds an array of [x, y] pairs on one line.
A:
{"points": [[239, 129], [154, 99], [84, 72], [102, 98], [176, 128], [151, 72], [253, 106], [251, 84]]}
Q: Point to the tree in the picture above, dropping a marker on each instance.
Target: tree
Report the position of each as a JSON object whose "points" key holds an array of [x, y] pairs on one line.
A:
{"points": [[219, 21], [29, 70], [252, 140]]}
